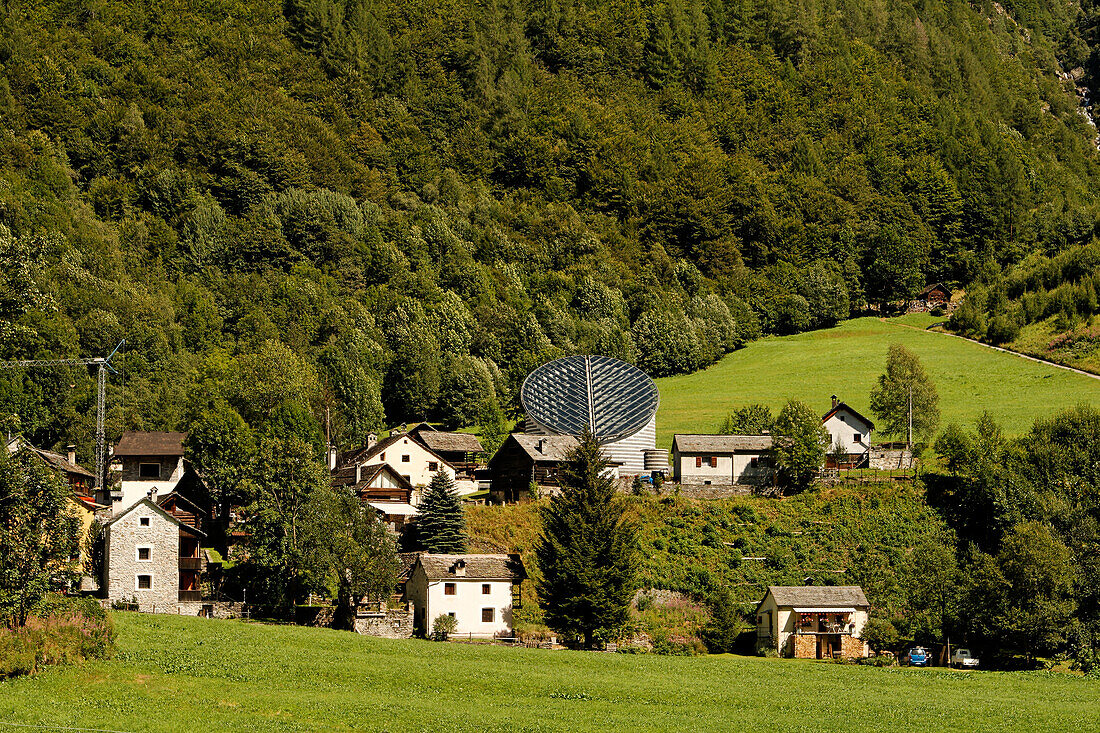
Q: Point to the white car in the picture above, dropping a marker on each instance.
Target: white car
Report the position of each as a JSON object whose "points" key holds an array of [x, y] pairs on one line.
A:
{"points": [[963, 659]]}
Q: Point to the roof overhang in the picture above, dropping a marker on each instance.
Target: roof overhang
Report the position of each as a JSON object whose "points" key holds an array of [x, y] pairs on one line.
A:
{"points": [[824, 609], [394, 508]]}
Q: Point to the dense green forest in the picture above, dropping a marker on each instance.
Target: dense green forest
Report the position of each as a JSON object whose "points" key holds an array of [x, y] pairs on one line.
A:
{"points": [[395, 210]]}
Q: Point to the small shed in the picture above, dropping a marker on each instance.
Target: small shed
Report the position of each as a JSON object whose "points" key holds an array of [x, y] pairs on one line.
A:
{"points": [[813, 621]]}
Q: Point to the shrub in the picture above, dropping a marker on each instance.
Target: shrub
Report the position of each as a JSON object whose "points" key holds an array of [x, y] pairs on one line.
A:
{"points": [[443, 627], [62, 631]]}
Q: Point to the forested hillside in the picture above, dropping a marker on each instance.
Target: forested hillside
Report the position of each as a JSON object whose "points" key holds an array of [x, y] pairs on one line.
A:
{"points": [[395, 210]]}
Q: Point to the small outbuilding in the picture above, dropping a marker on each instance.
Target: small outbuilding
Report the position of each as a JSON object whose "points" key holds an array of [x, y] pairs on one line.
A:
{"points": [[813, 621], [480, 591], [722, 460], [849, 436], [523, 460]]}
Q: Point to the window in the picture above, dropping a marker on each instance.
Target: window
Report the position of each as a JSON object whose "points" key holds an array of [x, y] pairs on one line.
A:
{"points": [[451, 614], [753, 461], [144, 521], [706, 483], [486, 589], [841, 418], [449, 589], [404, 459], [433, 466], [382, 457], [149, 470], [144, 582], [487, 615], [698, 461], [145, 554], [857, 438]]}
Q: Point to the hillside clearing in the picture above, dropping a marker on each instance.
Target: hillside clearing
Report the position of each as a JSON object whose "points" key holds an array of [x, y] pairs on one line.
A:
{"points": [[180, 674], [846, 361]]}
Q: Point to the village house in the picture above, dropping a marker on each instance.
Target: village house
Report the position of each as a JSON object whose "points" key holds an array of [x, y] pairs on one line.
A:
{"points": [[524, 460], [382, 489], [479, 591], [933, 296], [461, 450], [408, 457], [145, 462], [850, 433], [153, 559], [813, 621], [722, 460]]}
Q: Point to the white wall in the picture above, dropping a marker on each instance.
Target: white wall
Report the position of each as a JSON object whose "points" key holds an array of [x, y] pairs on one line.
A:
{"points": [[630, 451], [418, 468], [842, 428], [135, 489]]}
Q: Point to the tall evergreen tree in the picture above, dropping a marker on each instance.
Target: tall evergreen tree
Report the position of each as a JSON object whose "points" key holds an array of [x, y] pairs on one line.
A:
{"points": [[587, 553], [441, 524]]}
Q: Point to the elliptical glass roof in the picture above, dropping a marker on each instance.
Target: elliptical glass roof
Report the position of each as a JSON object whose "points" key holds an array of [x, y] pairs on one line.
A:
{"points": [[612, 398]]}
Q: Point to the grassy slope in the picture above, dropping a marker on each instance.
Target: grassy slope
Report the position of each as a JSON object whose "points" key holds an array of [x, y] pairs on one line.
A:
{"points": [[179, 674], [847, 360]]}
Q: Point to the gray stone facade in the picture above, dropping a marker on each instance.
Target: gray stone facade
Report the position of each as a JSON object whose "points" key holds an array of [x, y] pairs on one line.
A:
{"points": [[890, 459], [125, 536], [391, 623]]}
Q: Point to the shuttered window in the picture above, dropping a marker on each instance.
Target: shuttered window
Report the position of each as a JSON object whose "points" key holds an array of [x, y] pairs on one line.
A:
{"points": [[698, 461]]}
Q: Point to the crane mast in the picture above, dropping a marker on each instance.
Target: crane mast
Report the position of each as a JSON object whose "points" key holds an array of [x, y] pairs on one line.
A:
{"points": [[102, 364]]}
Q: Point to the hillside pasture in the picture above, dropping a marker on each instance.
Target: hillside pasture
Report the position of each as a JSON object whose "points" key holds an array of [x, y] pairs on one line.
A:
{"points": [[847, 360], [184, 674]]}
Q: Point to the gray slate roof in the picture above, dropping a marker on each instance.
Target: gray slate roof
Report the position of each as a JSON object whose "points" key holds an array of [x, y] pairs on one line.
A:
{"points": [[554, 447], [722, 443], [483, 567], [440, 441], [818, 596]]}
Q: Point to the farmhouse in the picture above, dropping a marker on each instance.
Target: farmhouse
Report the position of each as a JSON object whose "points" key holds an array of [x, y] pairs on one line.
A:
{"points": [[153, 558], [408, 457], [813, 621], [850, 432], [381, 488], [721, 460], [461, 450], [936, 294], [81, 479], [146, 462], [479, 591], [523, 460]]}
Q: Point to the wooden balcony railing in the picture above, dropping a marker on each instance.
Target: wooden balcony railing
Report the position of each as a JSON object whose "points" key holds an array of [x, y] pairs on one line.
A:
{"points": [[190, 595], [190, 563]]}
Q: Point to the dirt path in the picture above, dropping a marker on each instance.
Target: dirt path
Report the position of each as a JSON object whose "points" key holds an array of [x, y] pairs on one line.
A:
{"points": [[1035, 359]]}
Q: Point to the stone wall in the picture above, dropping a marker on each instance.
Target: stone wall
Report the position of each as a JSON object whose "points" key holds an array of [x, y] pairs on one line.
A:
{"points": [[394, 623], [161, 536], [852, 647], [805, 646], [212, 609], [891, 459], [710, 491]]}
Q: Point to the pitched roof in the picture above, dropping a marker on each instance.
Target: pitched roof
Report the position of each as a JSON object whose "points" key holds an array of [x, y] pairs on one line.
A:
{"points": [[440, 441], [406, 563], [346, 477], [366, 454], [159, 510], [146, 443], [482, 567], [842, 406], [54, 460], [818, 596], [722, 443], [554, 447], [934, 286]]}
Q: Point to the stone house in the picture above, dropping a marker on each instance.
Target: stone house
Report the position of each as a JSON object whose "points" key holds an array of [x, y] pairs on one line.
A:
{"points": [[145, 462], [523, 460], [722, 460], [813, 621], [479, 591], [153, 558], [851, 432]]}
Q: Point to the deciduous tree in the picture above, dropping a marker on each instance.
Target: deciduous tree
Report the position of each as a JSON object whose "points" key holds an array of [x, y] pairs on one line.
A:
{"points": [[905, 377], [800, 445]]}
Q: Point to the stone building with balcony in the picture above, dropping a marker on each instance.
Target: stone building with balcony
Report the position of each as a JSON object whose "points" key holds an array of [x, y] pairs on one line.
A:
{"points": [[153, 560], [813, 621]]}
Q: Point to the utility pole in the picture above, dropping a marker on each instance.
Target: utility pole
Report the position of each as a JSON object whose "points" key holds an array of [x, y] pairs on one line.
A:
{"points": [[909, 442], [102, 364]]}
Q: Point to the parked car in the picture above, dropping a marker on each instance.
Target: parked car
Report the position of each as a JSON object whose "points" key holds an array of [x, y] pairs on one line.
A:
{"points": [[917, 657], [963, 659]]}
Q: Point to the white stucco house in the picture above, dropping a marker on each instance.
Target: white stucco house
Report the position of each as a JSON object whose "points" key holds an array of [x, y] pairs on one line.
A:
{"points": [[850, 431], [409, 458], [479, 591], [813, 621], [721, 460], [145, 462]]}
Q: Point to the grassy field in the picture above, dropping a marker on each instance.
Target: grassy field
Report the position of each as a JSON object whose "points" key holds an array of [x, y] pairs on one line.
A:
{"points": [[848, 359], [177, 674]]}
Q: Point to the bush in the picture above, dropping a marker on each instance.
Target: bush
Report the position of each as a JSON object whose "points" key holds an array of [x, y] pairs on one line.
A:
{"points": [[62, 631], [443, 627]]}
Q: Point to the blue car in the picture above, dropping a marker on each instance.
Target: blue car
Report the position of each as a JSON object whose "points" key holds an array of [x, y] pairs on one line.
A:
{"points": [[917, 657]]}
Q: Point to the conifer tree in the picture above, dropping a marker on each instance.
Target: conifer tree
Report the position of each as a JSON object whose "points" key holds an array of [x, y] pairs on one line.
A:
{"points": [[587, 553], [441, 521]]}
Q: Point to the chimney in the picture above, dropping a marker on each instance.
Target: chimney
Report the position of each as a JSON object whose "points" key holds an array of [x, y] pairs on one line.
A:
{"points": [[834, 401], [541, 445], [358, 472], [70, 453], [332, 458], [372, 439]]}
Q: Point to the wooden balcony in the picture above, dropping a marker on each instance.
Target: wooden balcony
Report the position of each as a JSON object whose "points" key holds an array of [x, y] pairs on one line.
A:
{"points": [[190, 595], [190, 563]]}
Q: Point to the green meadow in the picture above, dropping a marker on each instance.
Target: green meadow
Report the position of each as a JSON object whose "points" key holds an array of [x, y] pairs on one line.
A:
{"points": [[186, 674], [847, 360]]}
